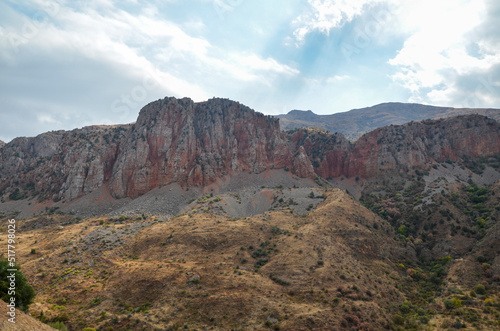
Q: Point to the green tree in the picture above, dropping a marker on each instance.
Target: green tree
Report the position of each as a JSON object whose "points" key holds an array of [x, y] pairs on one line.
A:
{"points": [[403, 230], [24, 293]]}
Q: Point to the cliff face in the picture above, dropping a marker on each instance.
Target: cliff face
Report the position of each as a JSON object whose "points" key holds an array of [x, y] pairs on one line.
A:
{"points": [[173, 140], [413, 145], [194, 144], [60, 164]]}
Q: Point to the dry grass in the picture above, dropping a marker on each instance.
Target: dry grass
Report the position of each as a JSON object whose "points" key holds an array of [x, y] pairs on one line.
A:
{"points": [[325, 269]]}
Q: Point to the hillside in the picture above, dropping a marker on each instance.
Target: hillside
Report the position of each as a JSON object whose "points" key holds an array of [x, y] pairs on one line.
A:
{"points": [[354, 123], [172, 141], [415, 145], [278, 268], [24, 322], [337, 265]]}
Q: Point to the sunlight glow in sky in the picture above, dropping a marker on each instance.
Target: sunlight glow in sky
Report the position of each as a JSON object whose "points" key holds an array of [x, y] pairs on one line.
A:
{"points": [[66, 64]]}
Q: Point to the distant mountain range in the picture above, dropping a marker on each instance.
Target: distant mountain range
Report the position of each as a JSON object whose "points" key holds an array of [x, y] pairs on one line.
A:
{"points": [[197, 144], [356, 122]]}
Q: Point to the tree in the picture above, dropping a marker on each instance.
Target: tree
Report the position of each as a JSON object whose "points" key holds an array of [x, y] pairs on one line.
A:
{"points": [[403, 230], [24, 293]]}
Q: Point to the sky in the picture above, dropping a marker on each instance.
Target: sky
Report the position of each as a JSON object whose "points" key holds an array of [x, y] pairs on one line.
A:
{"points": [[67, 64]]}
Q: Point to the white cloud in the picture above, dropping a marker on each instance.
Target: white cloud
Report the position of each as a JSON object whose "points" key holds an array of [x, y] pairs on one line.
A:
{"points": [[435, 57], [325, 15], [47, 118], [337, 78], [121, 58], [145, 41]]}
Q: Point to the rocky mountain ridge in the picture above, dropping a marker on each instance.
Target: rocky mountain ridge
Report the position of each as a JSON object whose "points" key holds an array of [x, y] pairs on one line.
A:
{"points": [[356, 122], [173, 140], [196, 144], [399, 148]]}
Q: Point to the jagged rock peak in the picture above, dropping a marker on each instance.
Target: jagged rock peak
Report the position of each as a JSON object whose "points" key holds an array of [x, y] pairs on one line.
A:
{"points": [[212, 107]]}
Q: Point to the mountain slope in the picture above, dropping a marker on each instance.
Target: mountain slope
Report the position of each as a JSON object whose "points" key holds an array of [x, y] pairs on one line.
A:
{"points": [[357, 122], [183, 145], [277, 269], [23, 322], [399, 148]]}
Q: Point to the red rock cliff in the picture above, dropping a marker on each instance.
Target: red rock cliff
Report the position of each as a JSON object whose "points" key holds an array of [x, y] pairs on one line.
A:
{"points": [[413, 145], [194, 144]]}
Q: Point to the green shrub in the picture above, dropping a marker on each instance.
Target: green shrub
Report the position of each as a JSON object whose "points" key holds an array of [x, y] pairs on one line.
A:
{"points": [[403, 230], [24, 292], [398, 319], [480, 289], [16, 195], [59, 326], [261, 262], [456, 302], [405, 307], [259, 253], [95, 302]]}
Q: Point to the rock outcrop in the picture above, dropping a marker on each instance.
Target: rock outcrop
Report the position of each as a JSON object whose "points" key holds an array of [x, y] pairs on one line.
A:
{"points": [[173, 140], [413, 145], [195, 144]]}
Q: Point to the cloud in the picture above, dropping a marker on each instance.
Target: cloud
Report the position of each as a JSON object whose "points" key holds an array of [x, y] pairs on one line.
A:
{"points": [[449, 49], [325, 15], [106, 61]]}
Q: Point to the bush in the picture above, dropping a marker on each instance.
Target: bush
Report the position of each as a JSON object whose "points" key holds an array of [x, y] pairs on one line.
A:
{"points": [[259, 253], [59, 326], [24, 292], [279, 280], [16, 195], [261, 262], [403, 230], [480, 289], [398, 319], [405, 308], [456, 302], [95, 302]]}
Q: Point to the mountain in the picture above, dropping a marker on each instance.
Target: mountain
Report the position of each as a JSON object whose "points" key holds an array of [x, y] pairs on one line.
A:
{"points": [[173, 140], [395, 148], [196, 145], [357, 122], [207, 215]]}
